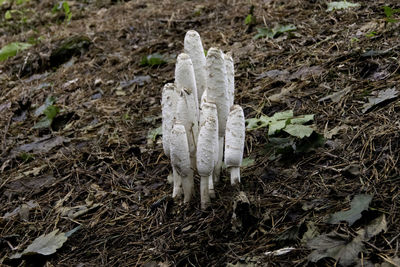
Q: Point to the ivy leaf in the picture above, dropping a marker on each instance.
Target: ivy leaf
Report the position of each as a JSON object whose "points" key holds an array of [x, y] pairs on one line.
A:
{"points": [[358, 205], [298, 130]]}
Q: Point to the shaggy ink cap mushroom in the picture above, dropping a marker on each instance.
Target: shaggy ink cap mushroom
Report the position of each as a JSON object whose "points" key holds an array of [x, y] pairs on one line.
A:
{"points": [[234, 142], [194, 48], [180, 160]]}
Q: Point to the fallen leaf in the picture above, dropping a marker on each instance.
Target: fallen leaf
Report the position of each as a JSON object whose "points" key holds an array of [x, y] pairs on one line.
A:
{"points": [[42, 145], [337, 96], [279, 252], [335, 246], [375, 227], [383, 97], [340, 5], [358, 205], [46, 244], [331, 133], [22, 211]]}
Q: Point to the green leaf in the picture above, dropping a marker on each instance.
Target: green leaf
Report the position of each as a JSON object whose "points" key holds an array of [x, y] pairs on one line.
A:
{"points": [[48, 102], [302, 119], [284, 115], [12, 49], [154, 133], [276, 126], [272, 33], [155, 59], [247, 162], [249, 19], [256, 123], [51, 112], [358, 205], [340, 5], [298, 130], [8, 15]]}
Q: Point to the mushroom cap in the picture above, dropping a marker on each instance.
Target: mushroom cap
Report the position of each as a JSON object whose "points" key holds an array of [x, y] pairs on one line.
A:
{"points": [[180, 156], [168, 107], [234, 137], [217, 86], [206, 147]]}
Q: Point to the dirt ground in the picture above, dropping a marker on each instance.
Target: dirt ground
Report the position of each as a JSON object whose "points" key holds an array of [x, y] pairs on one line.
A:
{"points": [[97, 167]]}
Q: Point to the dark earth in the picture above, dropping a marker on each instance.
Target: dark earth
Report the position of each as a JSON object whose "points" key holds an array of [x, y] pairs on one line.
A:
{"points": [[93, 159]]}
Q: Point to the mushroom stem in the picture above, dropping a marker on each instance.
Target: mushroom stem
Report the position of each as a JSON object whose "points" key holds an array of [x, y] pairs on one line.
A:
{"points": [[218, 165], [204, 193], [211, 191], [177, 189], [235, 175]]}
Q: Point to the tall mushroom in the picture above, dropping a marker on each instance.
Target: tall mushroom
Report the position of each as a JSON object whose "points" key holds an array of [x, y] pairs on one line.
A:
{"points": [[209, 110], [168, 107], [205, 156], [194, 48], [180, 160], [217, 93], [234, 142], [187, 106], [230, 75]]}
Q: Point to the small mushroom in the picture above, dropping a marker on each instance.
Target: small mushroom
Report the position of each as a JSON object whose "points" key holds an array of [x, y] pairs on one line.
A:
{"points": [[210, 110], [180, 160], [205, 156], [234, 142]]}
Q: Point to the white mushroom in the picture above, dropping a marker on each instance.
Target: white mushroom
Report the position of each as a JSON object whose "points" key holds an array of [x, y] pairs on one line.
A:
{"points": [[217, 93], [234, 142], [209, 110], [168, 107], [180, 160], [185, 80], [205, 156], [187, 105], [194, 48], [230, 75]]}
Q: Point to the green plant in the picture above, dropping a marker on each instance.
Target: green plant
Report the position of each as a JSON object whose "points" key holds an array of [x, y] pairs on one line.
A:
{"points": [[49, 111], [63, 7], [287, 134], [12, 49], [155, 59], [250, 18], [389, 12], [274, 32]]}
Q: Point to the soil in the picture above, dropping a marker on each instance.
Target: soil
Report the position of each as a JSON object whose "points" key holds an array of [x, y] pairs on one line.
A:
{"points": [[96, 166]]}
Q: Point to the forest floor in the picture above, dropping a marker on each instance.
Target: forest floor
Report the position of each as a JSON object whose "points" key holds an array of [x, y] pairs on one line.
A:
{"points": [[80, 149]]}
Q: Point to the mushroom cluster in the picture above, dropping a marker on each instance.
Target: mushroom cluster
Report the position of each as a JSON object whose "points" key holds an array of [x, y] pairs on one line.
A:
{"points": [[199, 117]]}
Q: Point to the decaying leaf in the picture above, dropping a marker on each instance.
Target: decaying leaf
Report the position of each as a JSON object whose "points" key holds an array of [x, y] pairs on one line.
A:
{"points": [[46, 244], [340, 5], [345, 249], [337, 247], [358, 205], [337, 96], [383, 97]]}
